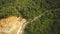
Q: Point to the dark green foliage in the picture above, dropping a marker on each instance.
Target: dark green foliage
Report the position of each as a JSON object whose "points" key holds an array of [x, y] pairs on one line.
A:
{"points": [[49, 23], [50, 4], [8, 8], [8, 11], [30, 9], [41, 25]]}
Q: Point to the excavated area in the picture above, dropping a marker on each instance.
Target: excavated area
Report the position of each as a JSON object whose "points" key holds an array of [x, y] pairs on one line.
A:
{"points": [[11, 25]]}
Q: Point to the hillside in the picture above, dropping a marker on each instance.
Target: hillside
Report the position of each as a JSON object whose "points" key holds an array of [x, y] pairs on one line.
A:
{"points": [[31, 10]]}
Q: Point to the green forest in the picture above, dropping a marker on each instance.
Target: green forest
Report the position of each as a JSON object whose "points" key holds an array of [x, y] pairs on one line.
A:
{"points": [[48, 23]]}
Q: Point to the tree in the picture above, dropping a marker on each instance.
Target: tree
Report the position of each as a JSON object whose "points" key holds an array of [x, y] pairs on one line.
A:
{"points": [[49, 23]]}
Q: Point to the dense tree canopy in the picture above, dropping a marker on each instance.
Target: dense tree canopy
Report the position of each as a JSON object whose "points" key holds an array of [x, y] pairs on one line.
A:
{"points": [[49, 23]]}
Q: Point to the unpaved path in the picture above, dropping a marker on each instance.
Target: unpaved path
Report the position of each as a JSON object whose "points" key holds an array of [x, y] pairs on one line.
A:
{"points": [[24, 25]]}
